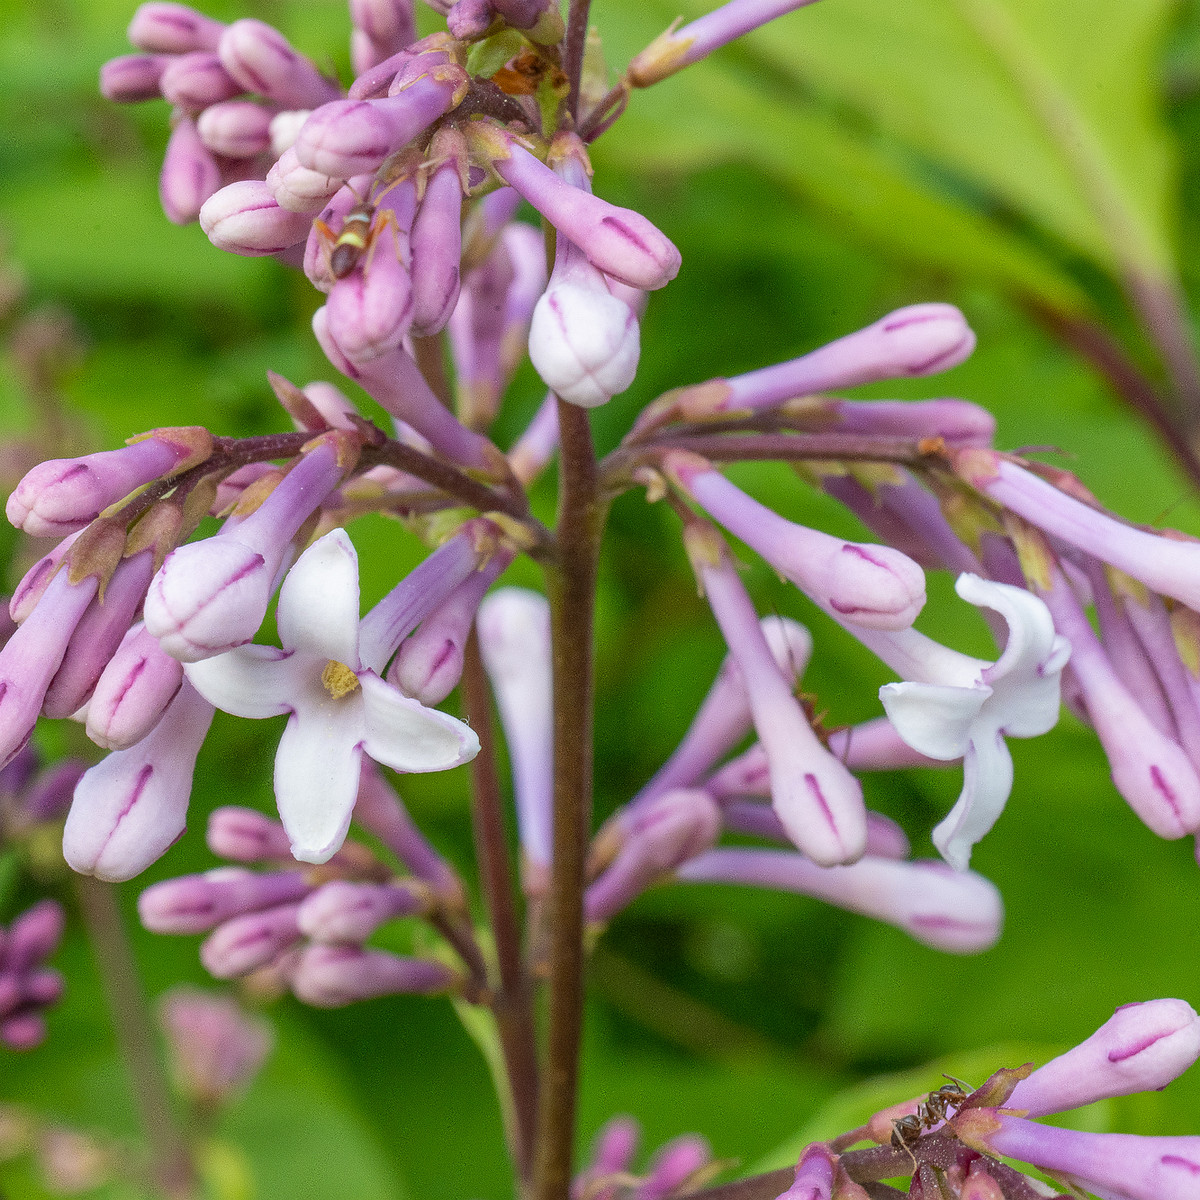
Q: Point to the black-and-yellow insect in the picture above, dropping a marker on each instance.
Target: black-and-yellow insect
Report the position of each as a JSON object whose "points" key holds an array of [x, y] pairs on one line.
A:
{"points": [[362, 224]]}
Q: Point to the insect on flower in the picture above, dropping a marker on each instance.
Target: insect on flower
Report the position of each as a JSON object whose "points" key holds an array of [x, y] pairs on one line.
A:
{"points": [[933, 1110], [362, 224]]}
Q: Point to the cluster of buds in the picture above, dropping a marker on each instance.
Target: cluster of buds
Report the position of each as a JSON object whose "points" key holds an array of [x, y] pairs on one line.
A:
{"points": [[678, 1168], [306, 929], [951, 1143], [27, 985]]}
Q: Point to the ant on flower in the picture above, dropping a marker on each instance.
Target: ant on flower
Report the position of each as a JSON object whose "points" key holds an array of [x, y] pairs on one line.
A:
{"points": [[933, 1110]]}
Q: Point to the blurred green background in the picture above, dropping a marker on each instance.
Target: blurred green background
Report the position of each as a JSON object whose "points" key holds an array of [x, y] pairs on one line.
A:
{"points": [[851, 158]]}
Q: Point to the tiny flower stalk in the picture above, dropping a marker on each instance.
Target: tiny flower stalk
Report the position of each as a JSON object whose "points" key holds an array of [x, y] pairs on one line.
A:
{"points": [[817, 799], [872, 586]]}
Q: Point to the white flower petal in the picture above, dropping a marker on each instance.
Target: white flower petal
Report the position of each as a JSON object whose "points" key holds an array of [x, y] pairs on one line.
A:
{"points": [[316, 777], [933, 719], [987, 781], [318, 602], [251, 681], [407, 736]]}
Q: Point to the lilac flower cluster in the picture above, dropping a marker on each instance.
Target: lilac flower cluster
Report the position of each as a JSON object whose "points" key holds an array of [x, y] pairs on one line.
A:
{"points": [[955, 1148]]}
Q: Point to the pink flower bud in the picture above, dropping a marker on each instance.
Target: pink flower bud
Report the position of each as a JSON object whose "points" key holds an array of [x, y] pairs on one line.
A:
{"points": [[132, 77], [341, 912], [673, 1166], [246, 835], [437, 250], [36, 580], [173, 29], [133, 691], [387, 26], [196, 80], [814, 1175], [236, 128], [333, 976], [132, 806], [244, 218], [245, 943], [261, 60], [370, 310], [199, 903], [300, 190], [1140, 1048], [189, 174]]}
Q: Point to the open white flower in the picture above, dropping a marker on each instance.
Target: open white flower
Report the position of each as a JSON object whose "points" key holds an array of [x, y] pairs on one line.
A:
{"points": [[956, 706], [337, 706]]}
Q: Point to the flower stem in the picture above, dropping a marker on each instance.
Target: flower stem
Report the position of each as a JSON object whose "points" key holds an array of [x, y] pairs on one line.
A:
{"points": [[512, 1005], [571, 585], [170, 1162], [573, 47]]}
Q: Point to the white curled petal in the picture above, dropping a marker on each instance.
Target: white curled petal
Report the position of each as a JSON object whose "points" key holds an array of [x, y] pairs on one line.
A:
{"points": [[251, 681], [316, 777], [987, 781], [406, 736], [318, 602], [933, 719]]}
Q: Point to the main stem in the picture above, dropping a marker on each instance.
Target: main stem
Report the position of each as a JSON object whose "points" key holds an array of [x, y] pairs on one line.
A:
{"points": [[171, 1165], [571, 585], [513, 1006]]}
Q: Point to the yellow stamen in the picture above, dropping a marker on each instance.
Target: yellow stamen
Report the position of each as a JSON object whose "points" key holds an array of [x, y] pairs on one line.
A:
{"points": [[338, 679]]}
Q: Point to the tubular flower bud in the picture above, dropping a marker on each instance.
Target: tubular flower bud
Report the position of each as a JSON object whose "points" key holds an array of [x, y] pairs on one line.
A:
{"points": [[674, 1165], [173, 29], [959, 912], [678, 48], [132, 77], [337, 706], [252, 940], [514, 639], [1140, 1048], [353, 137], [817, 799], [245, 218], [300, 190], [27, 986], [189, 175], [382, 28], [334, 976], [669, 831], [133, 691], [872, 586], [814, 1175], [246, 835], [211, 595], [437, 247], [429, 663], [236, 129], [196, 80], [346, 913], [132, 806], [199, 903], [66, 494], [611, 1156], [216, 1049], [261, 60], [618, 241], [370, 310]]}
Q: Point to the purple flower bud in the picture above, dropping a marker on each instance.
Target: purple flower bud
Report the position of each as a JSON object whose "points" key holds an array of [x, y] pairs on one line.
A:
{"points": [[469, 20], [353, 137], [333, 976], [387, 26], [36, 580], [245, 943], [379, 810], [49, 795], [673, 1167], [244, 218], [885, 839], [816, 798], [612, 1154], [132, 77], [373, 82], [261, 60], [173, 29], [341, 912], [63, 495], [132, 806], [956, 911], [678, 48], [395, 382], [1140, 1048], [876, 746], [216, 1048], [97, 635], [246, 835], [236, 128], [429, 663], [300, 190], [370, 310], [285, 127], [526, 14], [1149, 768], [33, 937], [33, 654], [814, 1175], [584, 342], [25, 986], [618, 241], [535, 447], [133, 691], [873, 586], [956, 422], [199, 903], [212, 595], [1135, 1168], [437, 249], [196, 80], [189, 176], [665, 833]]}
